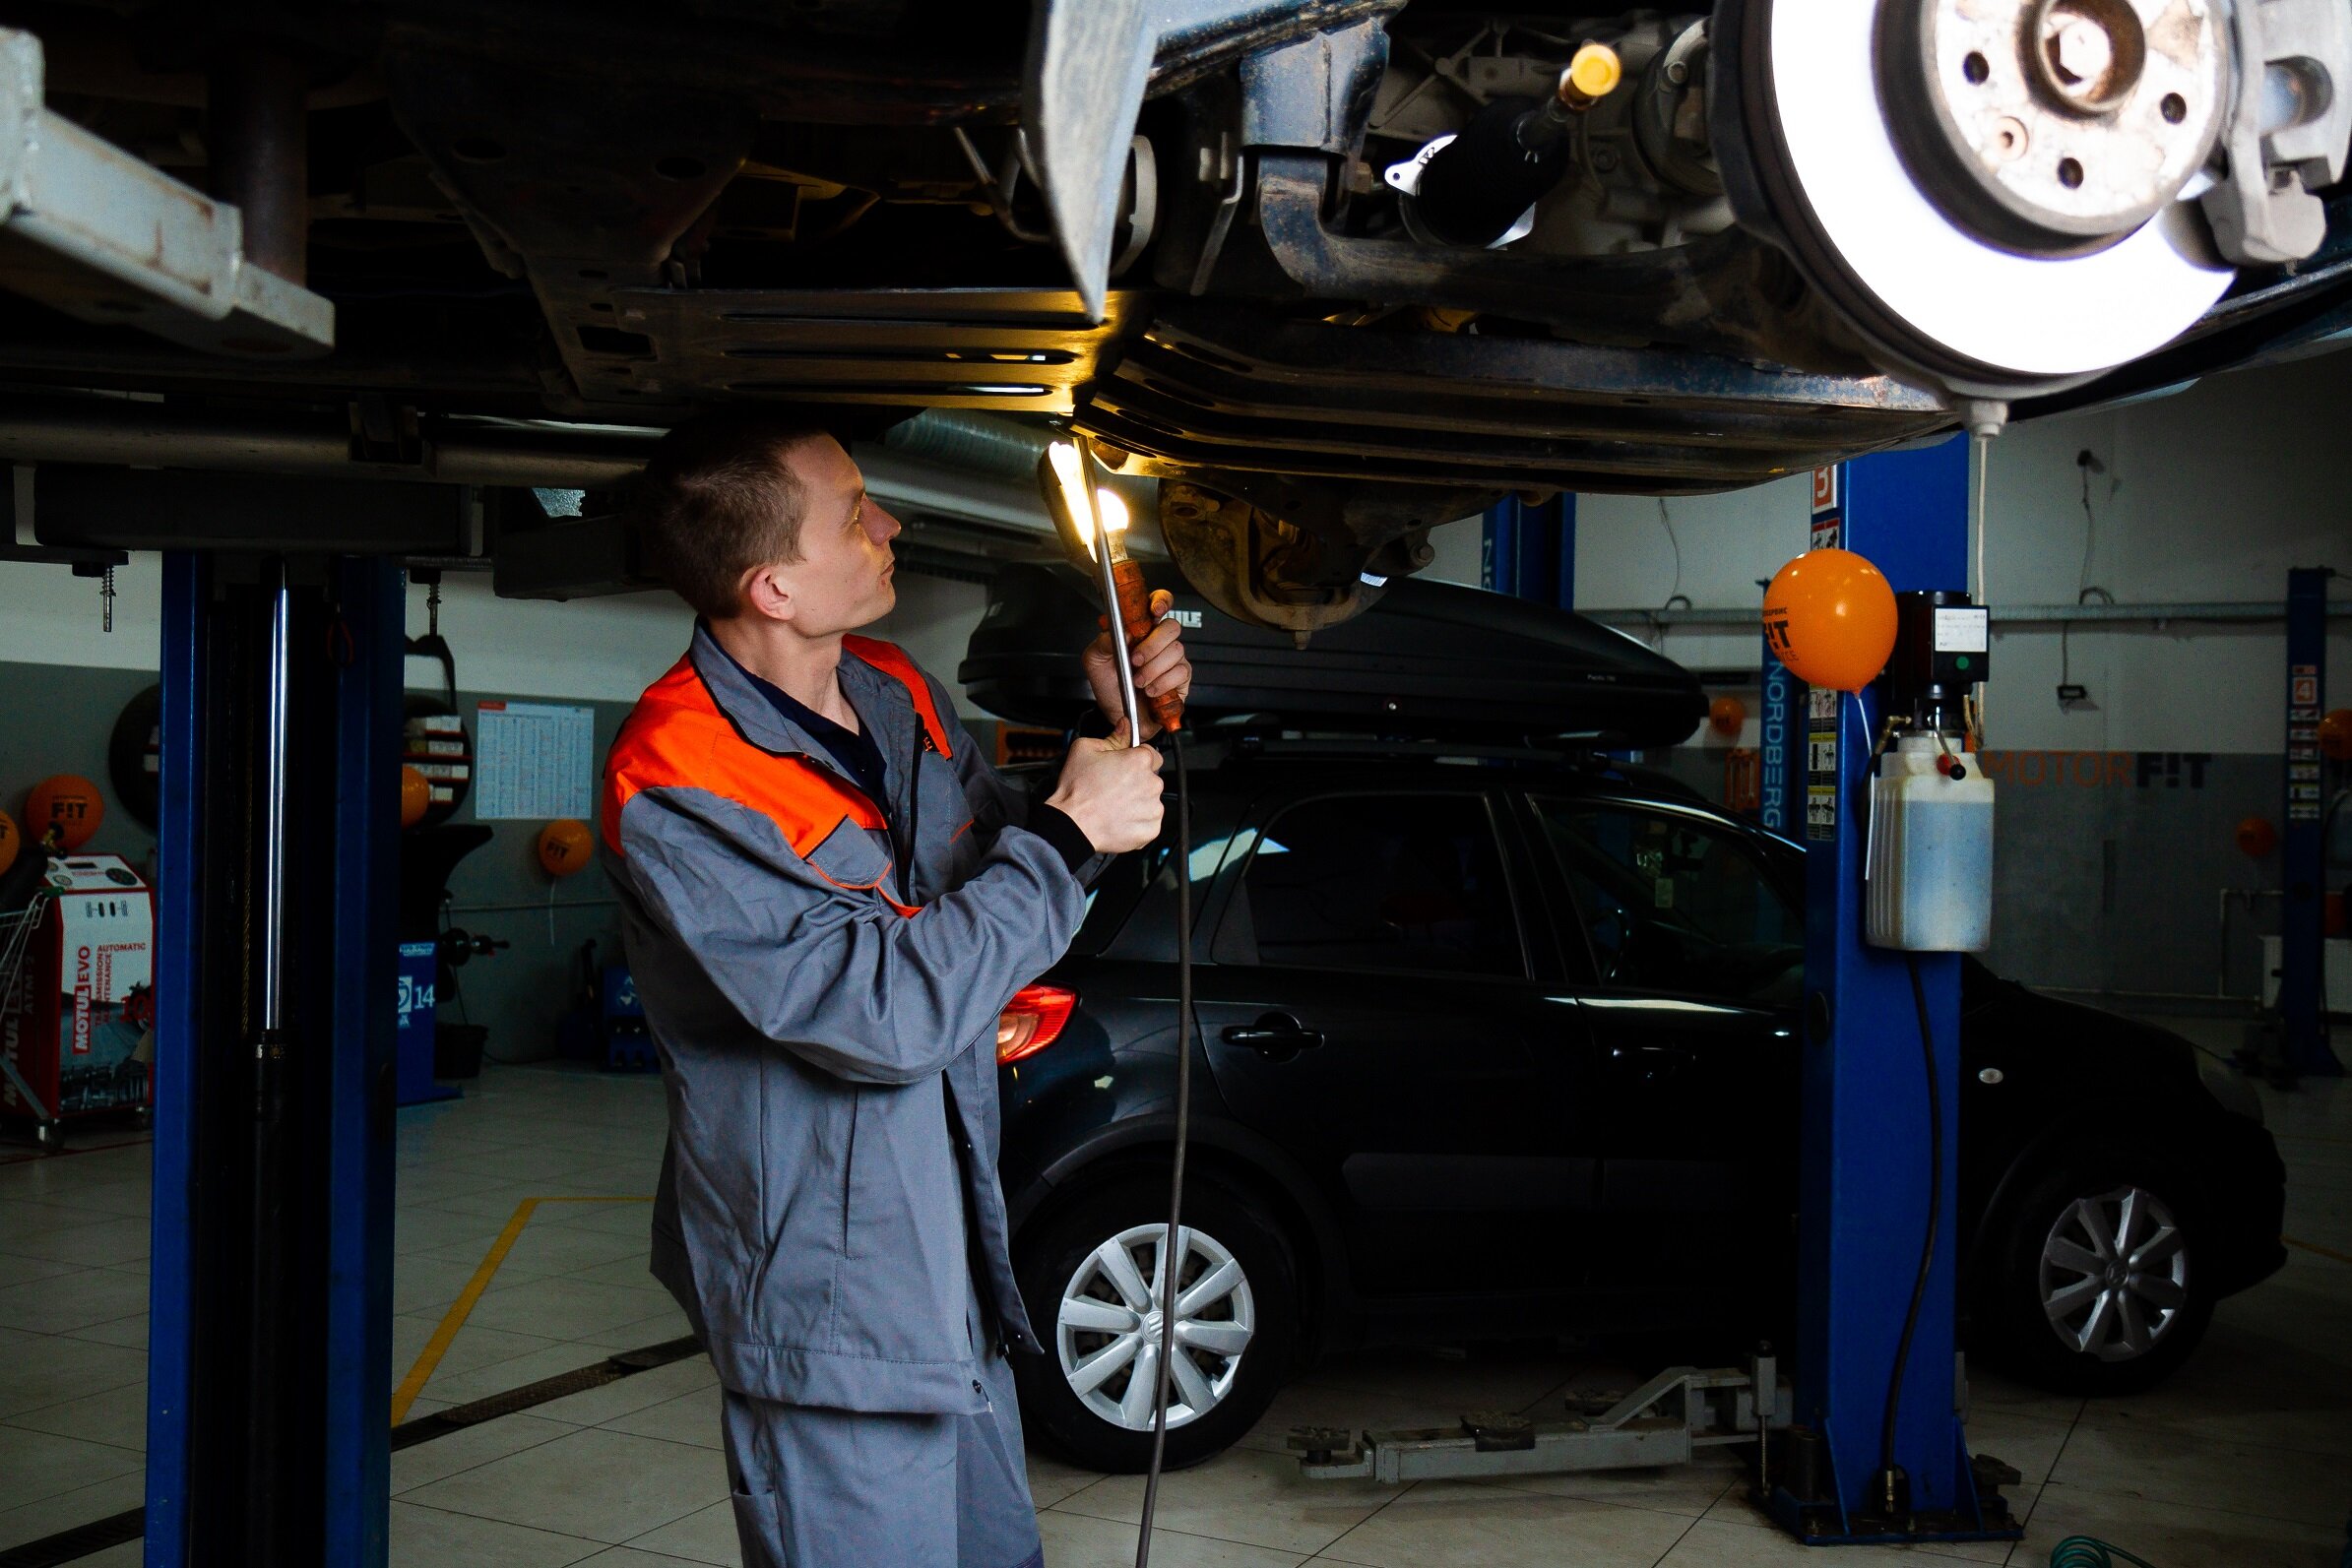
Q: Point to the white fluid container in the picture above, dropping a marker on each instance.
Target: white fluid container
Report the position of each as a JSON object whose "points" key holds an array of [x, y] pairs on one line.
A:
{"points": [[1927, 875]]}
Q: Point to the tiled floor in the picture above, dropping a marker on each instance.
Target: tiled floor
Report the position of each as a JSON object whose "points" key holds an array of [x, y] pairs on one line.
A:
{"points": [[2244, 1459]]}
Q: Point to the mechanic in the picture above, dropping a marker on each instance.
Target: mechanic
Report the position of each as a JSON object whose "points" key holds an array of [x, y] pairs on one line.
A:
{"points": [[827, 897]]}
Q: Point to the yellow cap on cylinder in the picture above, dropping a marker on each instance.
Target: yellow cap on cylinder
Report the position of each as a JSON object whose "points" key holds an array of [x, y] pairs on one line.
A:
{"points": [[1591, 75]]}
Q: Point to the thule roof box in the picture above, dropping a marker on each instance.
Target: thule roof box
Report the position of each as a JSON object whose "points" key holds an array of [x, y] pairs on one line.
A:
{"points": [[1431, 659]]}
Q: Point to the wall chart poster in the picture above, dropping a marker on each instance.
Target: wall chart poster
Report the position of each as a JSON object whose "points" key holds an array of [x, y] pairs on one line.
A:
{"points": [[534, 761]]}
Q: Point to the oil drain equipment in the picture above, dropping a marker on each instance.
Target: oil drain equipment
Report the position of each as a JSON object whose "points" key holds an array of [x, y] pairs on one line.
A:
{"points": [[1092, 518], [1834, 620], [1927, 870]]}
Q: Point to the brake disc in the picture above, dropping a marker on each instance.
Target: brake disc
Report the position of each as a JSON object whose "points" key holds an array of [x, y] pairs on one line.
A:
{"points": [[1990, 190]]}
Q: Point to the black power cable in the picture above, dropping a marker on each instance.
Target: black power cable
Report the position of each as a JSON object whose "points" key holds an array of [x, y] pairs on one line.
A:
{"points": [[1172, 1256], [1892, 1483]]}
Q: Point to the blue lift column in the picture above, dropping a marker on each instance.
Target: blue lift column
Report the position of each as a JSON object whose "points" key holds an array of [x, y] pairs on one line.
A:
{"points": [[1780, 793], [1530, 550], [2303, 1008], [1864, 1164], [271, 1284]]}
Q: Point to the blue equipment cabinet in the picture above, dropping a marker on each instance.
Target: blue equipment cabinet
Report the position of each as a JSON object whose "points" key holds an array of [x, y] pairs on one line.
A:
{"points": [[413, 1084]]}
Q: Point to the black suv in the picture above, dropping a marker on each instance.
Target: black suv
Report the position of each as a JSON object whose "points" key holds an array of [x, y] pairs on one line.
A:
{"points": [[1501, 1044]]}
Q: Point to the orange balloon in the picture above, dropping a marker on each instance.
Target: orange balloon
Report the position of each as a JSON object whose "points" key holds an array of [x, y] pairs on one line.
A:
{"points": [[416, 795], [69, 803], [2335, 734], [1728, 714], [11, 840], [2257, 837], [1829, 616], [565, 846]]}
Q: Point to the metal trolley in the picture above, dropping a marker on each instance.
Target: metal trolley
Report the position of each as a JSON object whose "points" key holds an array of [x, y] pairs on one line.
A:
{"points": [[17, 930]]}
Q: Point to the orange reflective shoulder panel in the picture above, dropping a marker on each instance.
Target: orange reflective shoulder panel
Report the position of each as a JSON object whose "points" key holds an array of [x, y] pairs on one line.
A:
{"points": [[676, 739], [892, 660]]}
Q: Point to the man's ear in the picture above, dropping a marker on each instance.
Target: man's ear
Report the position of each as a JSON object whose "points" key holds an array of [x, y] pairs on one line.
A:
{"points": [[765, 596]]}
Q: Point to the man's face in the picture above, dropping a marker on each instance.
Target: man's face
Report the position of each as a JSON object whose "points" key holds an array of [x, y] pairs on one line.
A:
{"points": [[843, 578]]}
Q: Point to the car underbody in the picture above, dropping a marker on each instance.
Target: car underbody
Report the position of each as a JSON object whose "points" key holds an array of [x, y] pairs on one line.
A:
{"points": [[1273, 253]]}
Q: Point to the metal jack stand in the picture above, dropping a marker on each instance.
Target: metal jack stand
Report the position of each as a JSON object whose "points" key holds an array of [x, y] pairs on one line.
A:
{"points": [[1667, 1420]]}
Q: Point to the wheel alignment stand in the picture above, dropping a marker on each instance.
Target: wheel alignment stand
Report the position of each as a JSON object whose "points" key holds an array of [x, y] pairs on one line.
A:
{"points": [[1864, 1179]]}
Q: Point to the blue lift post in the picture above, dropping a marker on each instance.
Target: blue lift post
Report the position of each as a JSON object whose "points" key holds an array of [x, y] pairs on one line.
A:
{"points": [[2302, 1005], [1530, 551], [1780, 792], [1864, 1176], [270, 1346]]}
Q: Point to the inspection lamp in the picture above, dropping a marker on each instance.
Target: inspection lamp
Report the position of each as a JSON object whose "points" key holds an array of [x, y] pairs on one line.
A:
{"points": [[1093, 522]]}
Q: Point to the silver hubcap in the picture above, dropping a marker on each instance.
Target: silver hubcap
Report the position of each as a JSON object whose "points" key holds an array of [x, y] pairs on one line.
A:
{"points": [[1108, 1329], [2115, 1274]]}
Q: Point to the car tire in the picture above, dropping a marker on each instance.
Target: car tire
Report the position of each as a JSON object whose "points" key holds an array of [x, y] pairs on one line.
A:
{"points": [[2072, 1313], [1060, 1265]]}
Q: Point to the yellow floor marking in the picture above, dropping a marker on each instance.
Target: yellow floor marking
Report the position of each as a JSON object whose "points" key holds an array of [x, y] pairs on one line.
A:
{"points": [[455, 1318], [2312, 1246]]}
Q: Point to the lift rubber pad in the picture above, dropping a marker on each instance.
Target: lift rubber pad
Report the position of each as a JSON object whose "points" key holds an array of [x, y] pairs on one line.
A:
{"points": [[84, 1541]]}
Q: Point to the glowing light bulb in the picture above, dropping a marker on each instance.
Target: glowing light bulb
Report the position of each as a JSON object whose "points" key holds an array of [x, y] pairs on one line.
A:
{"points": [[1113, 511]]}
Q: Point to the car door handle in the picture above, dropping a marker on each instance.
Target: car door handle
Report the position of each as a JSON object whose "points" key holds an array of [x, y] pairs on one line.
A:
{"points": [[1277, 1037]]}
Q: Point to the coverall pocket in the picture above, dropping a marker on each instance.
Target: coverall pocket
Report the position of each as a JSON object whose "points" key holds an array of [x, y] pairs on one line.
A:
{"points": [[850, 857], [849, 1167]]}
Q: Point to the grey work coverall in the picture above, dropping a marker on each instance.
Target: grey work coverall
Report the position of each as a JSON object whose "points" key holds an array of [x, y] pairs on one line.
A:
{"points": [[829, 1215]]}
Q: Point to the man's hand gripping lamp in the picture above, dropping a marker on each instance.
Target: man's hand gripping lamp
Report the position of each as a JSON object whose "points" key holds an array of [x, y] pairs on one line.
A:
{"points": [[1092, 521]]}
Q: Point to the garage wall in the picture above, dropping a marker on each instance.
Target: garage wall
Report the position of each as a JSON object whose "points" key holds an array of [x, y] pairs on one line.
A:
{"points": [[63, 682], [2209, 495], [57, 717], [2123, 807]]}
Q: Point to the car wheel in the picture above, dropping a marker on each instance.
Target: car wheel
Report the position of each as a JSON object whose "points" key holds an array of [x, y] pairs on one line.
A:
{"points": [[1090, 1275], [2098, 1288]]}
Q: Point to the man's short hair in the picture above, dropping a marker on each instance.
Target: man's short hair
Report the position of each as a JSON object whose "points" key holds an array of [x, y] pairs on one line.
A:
{"points": [[717, 499]]}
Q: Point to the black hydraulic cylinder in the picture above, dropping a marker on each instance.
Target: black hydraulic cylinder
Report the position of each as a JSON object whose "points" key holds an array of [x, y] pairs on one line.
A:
{"points": [[1511, 154]]}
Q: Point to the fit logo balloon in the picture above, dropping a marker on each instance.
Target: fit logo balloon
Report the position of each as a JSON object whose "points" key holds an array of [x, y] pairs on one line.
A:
{"points": [[67, 803], [1829, 615], [564, 847]]}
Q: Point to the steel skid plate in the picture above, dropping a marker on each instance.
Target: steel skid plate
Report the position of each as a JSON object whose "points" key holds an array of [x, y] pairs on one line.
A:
{"points": [[1223, 388], [1012, 349]]}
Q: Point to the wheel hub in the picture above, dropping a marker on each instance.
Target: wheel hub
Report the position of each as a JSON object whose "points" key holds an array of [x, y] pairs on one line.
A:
{"points": [[2048, 125], [1987, 190]]}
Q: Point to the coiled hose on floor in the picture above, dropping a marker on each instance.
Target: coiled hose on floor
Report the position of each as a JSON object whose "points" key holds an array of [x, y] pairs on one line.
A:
{"points": [[2081, 1552]]}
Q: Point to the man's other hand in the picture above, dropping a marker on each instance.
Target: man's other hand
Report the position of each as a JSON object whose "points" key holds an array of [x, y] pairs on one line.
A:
{"points": [[1112, 790], [1161, 665]]}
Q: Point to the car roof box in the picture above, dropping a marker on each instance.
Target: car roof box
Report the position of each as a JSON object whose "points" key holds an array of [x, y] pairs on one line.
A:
{"points": [[1428, 659]]}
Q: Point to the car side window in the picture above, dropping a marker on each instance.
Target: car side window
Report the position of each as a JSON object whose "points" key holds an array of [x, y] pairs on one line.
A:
{"points": [[1379, 883], [1673, 905]]}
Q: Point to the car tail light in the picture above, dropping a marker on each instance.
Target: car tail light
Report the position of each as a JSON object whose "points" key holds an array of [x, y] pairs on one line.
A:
{"points": [[1031, 1021]]}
